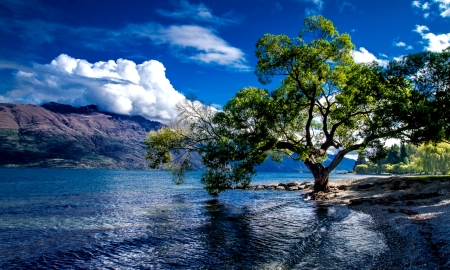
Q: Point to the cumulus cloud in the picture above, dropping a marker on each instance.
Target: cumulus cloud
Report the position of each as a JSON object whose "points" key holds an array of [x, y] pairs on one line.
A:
{"points": [[208, 47], [120, 86], [364, 56], [436, 43]]}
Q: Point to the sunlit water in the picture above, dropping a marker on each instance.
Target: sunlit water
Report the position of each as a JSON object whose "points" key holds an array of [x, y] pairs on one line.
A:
{"points": [[95, 219]]}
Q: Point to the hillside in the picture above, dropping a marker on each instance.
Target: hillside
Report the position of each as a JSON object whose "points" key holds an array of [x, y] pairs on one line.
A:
{"points": [[57, 135]]}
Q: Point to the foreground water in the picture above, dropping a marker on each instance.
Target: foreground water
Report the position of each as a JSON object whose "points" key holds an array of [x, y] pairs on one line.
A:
{"points": [[95, 219]]}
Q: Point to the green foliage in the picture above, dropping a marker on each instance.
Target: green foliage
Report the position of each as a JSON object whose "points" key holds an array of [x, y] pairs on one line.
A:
{"points": [[434, 158], [430, 74], [427, 158]]}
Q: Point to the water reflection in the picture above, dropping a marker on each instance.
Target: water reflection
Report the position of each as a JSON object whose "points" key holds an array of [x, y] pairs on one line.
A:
{"points": [[227, 237]]}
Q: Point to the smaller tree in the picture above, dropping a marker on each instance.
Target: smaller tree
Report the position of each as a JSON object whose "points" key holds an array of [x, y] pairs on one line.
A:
{"points": [[433, 158], [362, 169]]}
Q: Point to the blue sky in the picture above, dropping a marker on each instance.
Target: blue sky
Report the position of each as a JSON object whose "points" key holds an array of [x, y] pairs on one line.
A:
{"points": [[141, 57]]}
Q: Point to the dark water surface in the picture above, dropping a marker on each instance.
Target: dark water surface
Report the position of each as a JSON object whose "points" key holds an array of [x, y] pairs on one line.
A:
{"points": [[95, 219]]}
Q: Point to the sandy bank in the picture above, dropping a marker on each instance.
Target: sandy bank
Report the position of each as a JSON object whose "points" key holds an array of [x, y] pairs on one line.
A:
{"points": [[412, 212]]}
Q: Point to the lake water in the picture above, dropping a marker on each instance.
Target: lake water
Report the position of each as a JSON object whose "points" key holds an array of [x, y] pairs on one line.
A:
{"points": [[99, 219]]}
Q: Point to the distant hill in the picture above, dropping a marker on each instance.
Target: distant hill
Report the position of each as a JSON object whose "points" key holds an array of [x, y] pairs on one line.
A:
{"points": [[289, 165], [56, 135], [62, 136]]}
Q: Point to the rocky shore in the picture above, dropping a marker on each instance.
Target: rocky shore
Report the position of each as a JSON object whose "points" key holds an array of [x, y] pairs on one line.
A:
{"points": [[292, 186], [413, 213]]}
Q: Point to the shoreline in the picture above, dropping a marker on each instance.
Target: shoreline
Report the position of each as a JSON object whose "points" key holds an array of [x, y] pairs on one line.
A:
{"points": [[413, 213]]}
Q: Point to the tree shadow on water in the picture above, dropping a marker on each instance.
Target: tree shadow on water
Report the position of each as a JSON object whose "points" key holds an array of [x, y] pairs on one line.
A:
{"points": [[227, 237]]}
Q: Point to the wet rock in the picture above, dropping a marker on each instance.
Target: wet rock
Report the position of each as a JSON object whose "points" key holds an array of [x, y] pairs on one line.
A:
{"points": [[292, 188], [260, 187], [293, 184], [281, 188], [240, 186]]}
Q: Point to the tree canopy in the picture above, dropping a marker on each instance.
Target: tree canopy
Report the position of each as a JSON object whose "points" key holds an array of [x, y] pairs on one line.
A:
{"points": [[325, 100]]}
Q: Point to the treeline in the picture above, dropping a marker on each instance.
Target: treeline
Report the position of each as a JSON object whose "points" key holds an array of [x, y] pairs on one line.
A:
{"points": [[408, 159]]}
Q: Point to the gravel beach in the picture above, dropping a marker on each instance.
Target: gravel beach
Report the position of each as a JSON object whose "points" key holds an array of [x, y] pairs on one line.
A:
{"points": [[412, 212]]}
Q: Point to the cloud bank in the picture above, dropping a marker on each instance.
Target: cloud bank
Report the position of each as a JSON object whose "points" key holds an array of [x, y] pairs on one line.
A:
{"points": [[121, 86]]}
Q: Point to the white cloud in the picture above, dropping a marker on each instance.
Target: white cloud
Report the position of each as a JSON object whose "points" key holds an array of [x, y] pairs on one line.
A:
{"points": [[421, 28], [209, 48], [205, 46], [120, 86], [403, 44], [416, 4], [399, 44], [436, 43], [444, 7], [364, 56]]}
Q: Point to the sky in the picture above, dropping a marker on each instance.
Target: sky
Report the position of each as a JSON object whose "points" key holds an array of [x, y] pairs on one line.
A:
{"points": [[142, 57]]}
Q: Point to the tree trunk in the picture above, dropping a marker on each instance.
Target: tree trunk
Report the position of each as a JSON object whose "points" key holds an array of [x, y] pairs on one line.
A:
{"points": [[320, 174]]}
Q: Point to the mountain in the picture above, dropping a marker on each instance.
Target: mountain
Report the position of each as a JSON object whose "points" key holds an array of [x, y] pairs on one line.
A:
{"points": [[58, 135], [289, 165]]}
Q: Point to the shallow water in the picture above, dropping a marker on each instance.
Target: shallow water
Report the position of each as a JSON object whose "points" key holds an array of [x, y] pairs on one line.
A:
{"points": [[94, 219]]}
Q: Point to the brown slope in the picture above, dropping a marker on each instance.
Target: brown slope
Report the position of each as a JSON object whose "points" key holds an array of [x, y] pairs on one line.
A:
{"points": [[57, 135]]}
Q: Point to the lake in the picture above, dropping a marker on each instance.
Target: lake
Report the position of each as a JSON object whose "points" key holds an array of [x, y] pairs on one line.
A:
{"points": [[106, 219]]}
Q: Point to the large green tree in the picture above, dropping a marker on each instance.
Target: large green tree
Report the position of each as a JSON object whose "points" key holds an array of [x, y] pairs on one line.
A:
{"points": [[325, 100]]}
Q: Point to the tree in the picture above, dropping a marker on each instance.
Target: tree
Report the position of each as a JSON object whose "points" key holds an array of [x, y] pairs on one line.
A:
{"points": [[325, 100], [360, 161], [433, 158], [394, 155], [430, 74], [403, 154]]}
